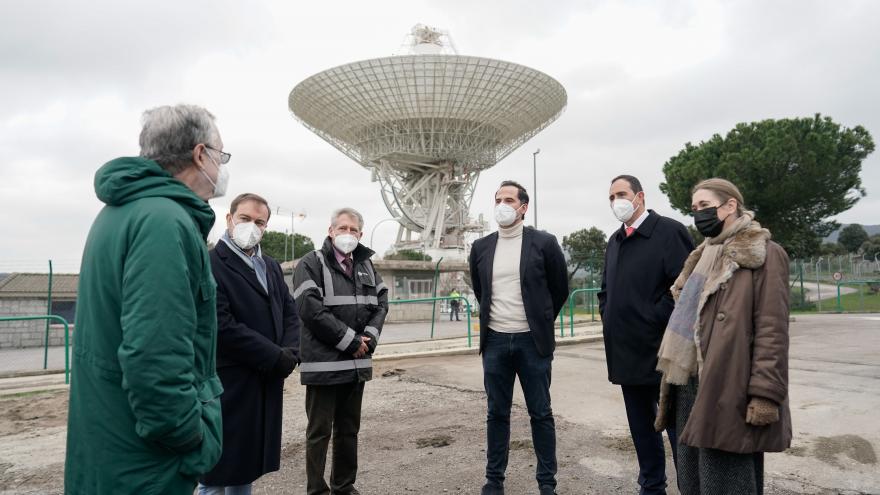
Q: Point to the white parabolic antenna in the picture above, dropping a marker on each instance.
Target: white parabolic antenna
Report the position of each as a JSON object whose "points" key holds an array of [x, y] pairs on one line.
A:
{"points": [[426, 123]]}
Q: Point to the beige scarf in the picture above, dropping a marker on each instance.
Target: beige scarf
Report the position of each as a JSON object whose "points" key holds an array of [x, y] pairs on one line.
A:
{"points": [[679, 356]]}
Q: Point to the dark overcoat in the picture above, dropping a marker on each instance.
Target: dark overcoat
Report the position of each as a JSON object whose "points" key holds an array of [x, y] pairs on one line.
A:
{"points": [[635, 301], [253, 326]]}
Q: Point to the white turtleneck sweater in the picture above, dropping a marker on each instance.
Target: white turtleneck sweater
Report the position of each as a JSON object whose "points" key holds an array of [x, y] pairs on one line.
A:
{"points": [[507, 313]]}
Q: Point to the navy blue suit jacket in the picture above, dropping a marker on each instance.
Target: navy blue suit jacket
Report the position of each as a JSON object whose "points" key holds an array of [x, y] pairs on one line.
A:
{"points": [[543, 281]]}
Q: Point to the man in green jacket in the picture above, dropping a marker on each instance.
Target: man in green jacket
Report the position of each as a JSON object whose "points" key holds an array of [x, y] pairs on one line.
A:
{"points": [[144, 411]]}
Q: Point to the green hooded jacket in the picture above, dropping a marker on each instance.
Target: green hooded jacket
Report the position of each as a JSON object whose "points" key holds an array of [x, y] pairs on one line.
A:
{"points": [[144, 411]]}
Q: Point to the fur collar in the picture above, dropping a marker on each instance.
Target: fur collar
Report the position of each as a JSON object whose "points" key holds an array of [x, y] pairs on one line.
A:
{"points": [[745, 249]]}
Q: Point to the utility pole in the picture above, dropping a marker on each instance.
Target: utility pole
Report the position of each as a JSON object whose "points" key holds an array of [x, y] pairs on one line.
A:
{"points": [[535, 185]]}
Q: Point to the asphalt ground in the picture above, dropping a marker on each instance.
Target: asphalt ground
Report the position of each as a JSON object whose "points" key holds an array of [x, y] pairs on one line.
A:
{"points": [[423, 424]]}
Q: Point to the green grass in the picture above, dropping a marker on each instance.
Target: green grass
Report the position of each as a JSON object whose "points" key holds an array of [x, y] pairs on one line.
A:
{"points": [[859, 302], [864, 303]]}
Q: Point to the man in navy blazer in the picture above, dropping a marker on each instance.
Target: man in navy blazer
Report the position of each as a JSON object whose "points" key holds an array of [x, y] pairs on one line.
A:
{"points": [[257, 348], [643, 259], [520, 278]]}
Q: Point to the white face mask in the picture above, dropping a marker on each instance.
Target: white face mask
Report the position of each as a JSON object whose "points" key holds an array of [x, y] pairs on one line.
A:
{"points": [[246, 235], [623, 209], [345, 242], [222, 179], [505, 215]]}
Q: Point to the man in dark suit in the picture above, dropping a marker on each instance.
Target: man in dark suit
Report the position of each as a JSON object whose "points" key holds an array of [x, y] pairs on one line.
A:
{"points": [[642, 260], [519, 276], [257, 348]]}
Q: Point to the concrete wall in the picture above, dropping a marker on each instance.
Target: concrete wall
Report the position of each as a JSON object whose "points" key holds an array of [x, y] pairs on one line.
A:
{"points": [[398, 313], [18, 334]]}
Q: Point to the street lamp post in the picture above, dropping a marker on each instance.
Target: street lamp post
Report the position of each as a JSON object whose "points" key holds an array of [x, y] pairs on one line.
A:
{"points": [[535, 185], [293, 217]]}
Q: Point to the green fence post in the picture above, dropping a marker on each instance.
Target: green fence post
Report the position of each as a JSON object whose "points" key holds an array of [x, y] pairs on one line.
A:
{"points": [[434, 297], [839, 306], [48, 312], [468, 319], [571, 303], [66, 352], [862, 297], [803, 293], [590, 299], [562, 323], [66, 338]]}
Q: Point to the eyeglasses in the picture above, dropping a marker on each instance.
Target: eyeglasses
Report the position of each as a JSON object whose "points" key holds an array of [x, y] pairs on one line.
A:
{"points": [[224, 156]]}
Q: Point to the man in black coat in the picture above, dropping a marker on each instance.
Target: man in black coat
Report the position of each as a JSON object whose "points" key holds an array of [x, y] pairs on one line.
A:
{"points": [[642, 260], [519, 276], [257, 348]]}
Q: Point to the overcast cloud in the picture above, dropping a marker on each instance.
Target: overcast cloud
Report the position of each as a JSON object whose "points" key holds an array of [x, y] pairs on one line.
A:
{"points": [[643, 78]]}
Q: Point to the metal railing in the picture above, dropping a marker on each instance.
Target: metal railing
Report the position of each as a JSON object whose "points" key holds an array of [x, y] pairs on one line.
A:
{"points": [[873, 287], [46, 343], [570, 303], [434, 300]]}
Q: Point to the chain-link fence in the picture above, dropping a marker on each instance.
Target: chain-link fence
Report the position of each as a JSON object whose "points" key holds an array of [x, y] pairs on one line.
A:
{"points": [[845, 283], [36, 351]]}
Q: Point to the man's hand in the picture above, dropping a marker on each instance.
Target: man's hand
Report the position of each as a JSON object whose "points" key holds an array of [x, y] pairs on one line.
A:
{"points": [[285, 364], [363, 349]]}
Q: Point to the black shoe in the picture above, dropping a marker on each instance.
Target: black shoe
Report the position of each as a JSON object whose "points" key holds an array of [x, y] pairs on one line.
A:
{"points": [[492, 489], [547, 490]]}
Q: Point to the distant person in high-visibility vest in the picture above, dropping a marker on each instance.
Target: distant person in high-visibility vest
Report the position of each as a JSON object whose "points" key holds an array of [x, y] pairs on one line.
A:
{"points": [[454, 305]]}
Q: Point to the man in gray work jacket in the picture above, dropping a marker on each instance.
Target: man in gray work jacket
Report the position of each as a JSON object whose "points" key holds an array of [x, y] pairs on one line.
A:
{"points": [[342, 303]]}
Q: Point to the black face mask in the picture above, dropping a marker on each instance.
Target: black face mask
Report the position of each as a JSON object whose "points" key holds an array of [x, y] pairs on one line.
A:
{"points": [[707, 221]]}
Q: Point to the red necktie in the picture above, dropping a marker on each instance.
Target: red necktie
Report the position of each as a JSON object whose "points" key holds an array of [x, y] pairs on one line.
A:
{"points": [[630, 230], [346, 263]]}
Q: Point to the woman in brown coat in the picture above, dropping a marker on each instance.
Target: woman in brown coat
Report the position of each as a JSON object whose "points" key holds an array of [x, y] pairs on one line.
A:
{"points": [[724, 355]]}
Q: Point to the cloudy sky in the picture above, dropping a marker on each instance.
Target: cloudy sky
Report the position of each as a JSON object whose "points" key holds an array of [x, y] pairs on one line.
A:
{"points": [[643, 78]]}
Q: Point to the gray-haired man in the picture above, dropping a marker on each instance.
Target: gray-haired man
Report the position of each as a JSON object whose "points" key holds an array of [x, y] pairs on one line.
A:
{"points": [[144, 411], [342, 303]]}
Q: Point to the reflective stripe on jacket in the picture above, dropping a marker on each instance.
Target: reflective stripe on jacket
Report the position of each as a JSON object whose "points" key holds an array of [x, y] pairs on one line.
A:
{"points": [[337, 310]]}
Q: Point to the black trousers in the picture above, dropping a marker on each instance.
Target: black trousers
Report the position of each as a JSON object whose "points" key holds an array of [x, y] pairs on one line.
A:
{"points": [[453, 312], [641, 411], [333, 411]]}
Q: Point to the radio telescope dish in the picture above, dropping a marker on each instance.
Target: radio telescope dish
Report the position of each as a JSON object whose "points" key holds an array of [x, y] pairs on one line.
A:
{"points": [[426, 123]]}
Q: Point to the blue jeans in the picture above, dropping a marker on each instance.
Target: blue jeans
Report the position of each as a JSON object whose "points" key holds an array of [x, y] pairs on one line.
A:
{"points": [[506, 356], [225, 490]]}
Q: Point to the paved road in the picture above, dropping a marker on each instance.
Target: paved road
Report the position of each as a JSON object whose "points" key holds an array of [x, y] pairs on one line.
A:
{"points": [[816, 292], [834, 385]]}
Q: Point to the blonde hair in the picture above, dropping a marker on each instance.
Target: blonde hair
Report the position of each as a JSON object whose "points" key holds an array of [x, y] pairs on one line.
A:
{"points": [[724, 189]]}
